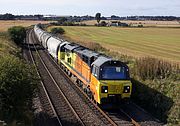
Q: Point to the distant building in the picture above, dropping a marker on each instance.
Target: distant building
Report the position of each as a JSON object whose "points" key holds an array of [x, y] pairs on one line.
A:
{"points": [[117, 23]]}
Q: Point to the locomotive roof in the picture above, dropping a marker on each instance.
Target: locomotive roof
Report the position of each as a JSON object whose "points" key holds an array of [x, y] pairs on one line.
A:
{"points": [[71, 46], [63, 43], [101, 60], [88, 53]]}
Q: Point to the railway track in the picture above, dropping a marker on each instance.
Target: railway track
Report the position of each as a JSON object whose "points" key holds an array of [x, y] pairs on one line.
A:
{"points": [[113, 117], [52, 118], [60, 106]]}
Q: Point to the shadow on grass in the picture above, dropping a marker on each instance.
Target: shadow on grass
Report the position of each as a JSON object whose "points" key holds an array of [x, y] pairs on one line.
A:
{"points": [[151, 100]]}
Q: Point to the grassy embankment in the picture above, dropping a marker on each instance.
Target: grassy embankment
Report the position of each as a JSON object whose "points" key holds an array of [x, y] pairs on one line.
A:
{"points": [[7, 47], [12, 62], [156, 81]]}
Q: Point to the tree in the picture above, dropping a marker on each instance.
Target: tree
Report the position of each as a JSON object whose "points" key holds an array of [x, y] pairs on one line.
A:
{"points": [[17, 34], [8, 16], [18, 82], [98, 17], [57, 30], [62, 20]]}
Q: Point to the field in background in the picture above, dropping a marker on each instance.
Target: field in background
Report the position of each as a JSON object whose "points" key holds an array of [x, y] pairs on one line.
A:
{"points": [[162, 43], [6, 45], [144, 23], [4, 25]]}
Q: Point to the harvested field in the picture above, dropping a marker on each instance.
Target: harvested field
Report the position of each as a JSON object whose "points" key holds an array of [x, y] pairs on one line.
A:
{"points": [[144, 23], [161, 43], [4, 25]]}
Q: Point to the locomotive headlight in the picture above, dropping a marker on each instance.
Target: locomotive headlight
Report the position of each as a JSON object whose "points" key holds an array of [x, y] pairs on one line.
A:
{"points": [[104, 89], [126, 89]]}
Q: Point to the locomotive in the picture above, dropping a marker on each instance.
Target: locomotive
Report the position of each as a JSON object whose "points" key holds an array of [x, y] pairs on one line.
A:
{"points": [[104, 79]]}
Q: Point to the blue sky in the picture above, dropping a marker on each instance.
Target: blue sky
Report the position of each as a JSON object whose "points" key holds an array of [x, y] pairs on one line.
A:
{"points": [[90, 7]]}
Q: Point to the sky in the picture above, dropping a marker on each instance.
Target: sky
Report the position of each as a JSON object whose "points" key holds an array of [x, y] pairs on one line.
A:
{"points": [[91, 7]]}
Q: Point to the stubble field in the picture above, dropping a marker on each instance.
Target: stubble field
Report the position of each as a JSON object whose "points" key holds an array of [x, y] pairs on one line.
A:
{"points": [[161, 43], [147, 23], [4, 25]]}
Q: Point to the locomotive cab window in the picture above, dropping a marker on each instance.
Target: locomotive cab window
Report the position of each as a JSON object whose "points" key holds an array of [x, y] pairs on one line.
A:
{"points": [[95, 71], [85, 59], [92, 59], [69, 60], [67, 52], [114, 73], [62, 49]]}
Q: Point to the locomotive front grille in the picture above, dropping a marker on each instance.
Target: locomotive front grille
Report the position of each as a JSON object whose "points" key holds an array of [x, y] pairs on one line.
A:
{"points": [[114, 89]]}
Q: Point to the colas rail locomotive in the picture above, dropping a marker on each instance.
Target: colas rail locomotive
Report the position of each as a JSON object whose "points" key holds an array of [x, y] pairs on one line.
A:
{"points": [[104, 79]]}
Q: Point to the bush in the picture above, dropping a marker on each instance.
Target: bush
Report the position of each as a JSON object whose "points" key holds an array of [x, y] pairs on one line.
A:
{"points": [[68, 23], [83, 24], [103, 23], [18, 82], [57, 31], [157, 88], [140, 25], [17, 34], [156, 97], [152, 68]]}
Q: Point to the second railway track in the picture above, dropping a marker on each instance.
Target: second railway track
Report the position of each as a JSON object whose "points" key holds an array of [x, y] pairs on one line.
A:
{"points": [[66, 115]]}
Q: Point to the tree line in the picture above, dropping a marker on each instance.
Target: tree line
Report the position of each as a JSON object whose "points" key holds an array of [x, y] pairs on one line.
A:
{"points": [[9, 16]]}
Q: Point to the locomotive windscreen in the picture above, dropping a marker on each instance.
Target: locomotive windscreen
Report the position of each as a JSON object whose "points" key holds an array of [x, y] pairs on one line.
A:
{"points": [[114, 73]]}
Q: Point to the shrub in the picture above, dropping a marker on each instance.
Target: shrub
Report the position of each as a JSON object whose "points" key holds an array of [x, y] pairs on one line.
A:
{"points": [[140, 25], [157, 88], [103, 23], [152, 68], [17, 34], [57, 31], [82, 24], [18, 82], [68, 23], [151, 96]]}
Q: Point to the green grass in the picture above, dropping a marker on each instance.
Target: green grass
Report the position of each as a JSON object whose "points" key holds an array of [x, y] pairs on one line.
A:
{"points": [[7, 46], [156, 42]]}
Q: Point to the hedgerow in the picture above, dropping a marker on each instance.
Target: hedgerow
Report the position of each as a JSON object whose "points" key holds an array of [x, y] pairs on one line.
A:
{"points": [[18, 82]]}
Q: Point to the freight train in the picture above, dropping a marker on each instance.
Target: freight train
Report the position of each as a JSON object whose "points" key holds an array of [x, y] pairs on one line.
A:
{"points": [[104, 79]]}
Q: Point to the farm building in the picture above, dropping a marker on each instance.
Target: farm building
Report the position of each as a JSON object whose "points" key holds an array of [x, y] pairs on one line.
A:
{"points": [[117, 23]]}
